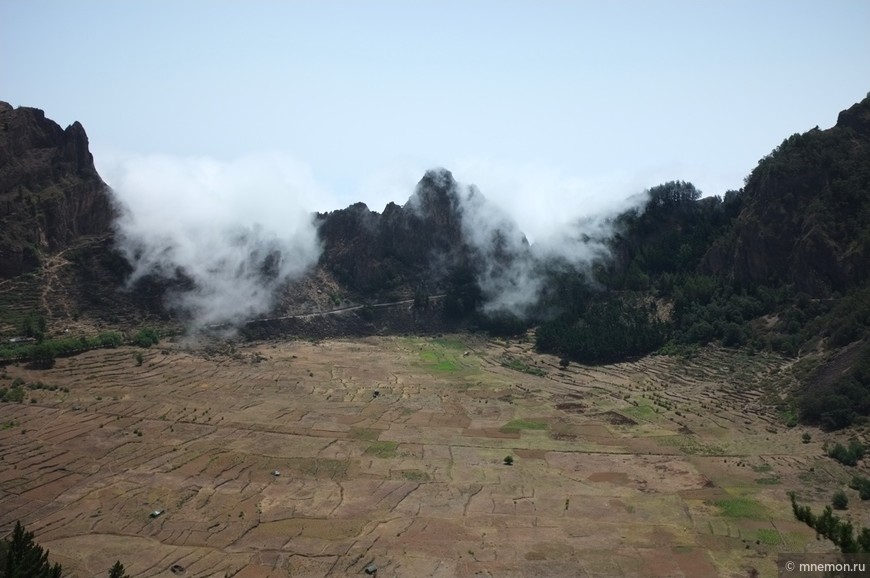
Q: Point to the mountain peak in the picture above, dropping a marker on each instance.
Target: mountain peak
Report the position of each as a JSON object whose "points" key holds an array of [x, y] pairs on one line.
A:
{"points": [[50, 192]]}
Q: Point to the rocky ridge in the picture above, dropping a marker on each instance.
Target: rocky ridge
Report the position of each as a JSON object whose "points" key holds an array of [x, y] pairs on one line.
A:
{"points": [[50, 192]]}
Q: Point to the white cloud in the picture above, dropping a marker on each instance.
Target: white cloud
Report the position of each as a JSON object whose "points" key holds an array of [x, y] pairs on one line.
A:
{"points": [[239, 229]]}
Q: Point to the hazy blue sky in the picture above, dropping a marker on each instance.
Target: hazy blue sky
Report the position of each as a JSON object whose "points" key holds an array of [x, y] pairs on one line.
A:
{"points": [[559, 100]]}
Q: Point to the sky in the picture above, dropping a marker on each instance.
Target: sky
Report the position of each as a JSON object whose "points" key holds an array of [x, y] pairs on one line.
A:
{"points": [[540, 104]]}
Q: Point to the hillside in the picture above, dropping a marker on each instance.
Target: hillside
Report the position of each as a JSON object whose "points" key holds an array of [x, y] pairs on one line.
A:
{"points": [[805, 219], [780, 265]]}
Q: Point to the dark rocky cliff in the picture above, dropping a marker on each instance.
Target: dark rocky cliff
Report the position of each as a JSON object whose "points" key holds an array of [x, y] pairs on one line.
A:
{"points": [[402, 248], [50, 192], [806, 213]]}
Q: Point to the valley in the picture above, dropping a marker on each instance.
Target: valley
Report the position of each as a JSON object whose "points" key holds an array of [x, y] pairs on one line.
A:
{"points": [[323, 458]]}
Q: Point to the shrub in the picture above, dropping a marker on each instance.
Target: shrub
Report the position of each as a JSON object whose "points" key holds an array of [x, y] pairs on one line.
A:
{"points": [[862, 485], [840, 501], [146, 337], [847, 456]]}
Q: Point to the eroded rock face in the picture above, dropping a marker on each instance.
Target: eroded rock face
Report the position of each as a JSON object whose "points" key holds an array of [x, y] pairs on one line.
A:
{"points": [[50, 192], [402, 247]]}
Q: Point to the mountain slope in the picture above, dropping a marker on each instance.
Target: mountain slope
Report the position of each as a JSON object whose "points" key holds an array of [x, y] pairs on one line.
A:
{"points": [[50, 192], [806, 213]]}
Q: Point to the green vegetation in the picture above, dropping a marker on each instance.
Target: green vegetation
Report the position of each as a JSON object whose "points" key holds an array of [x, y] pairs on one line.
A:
{"points": [[367, 434], [518, 365], [146, 337], [439, 358], [768, 536], [21, 557], [118, 571], [789, 275], [382, 449], [847, 455], [415, 475], [840, 532], [840, 501], [838, 404], [43, 354], [13, 394], [603, 329], [861, 484], [33, 325], [508, 460], [740, 507]]}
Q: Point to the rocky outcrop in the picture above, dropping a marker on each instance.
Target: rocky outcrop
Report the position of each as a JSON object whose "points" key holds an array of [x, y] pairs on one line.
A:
{"points": [[805, 215], [402, 248], [50, 192]]}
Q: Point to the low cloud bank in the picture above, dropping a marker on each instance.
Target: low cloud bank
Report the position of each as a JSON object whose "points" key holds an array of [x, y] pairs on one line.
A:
{"points": [[570, 223], [238, 230]]}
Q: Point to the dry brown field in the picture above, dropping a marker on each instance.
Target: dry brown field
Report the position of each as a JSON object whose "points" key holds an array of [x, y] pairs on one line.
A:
{"points": [[391, 451]]}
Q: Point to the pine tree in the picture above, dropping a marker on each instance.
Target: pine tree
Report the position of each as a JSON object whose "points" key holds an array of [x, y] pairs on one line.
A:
{"points": [[27, 559], [117, 571]]}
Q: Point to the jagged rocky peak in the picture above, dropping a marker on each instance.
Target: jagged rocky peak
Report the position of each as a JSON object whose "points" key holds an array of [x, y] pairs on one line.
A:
{"points": [[50, 192], [25, 132], [394, 250], [437, 196]]}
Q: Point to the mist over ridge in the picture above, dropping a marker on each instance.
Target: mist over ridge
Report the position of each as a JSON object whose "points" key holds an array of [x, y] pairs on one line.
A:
{"points": [[238, 232]]}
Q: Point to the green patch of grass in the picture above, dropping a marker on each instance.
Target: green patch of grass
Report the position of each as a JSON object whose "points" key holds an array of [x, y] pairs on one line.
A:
{"points": [[768, 536], [519, 365], [438, 362], [788, 417], [415, 475], [740, 507], [361, 433], [382, 449], [446, 365], [515, 425], [761, 468], [640, 411], [429, 356]]}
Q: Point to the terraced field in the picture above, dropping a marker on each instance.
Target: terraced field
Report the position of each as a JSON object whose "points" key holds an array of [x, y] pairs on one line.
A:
{"points": [[320, 459]]}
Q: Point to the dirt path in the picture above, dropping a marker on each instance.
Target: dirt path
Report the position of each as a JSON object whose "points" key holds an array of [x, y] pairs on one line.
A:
{"points": [[339, 310]]}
